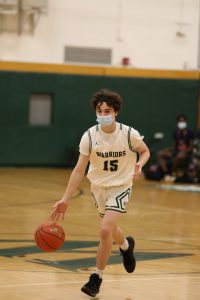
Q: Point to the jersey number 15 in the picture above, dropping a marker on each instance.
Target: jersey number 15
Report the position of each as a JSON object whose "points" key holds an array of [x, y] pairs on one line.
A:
{"points": [[110, 165]]}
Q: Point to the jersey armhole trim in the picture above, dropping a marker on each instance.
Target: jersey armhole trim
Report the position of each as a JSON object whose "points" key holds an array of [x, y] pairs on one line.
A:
{"points": [[129, 140], [90, 141]]}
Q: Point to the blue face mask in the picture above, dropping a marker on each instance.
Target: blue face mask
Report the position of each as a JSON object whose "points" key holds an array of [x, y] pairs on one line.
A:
{"points": [[105, 121]]}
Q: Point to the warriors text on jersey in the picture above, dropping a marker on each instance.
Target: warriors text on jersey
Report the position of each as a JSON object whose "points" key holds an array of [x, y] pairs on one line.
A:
{"points": [[112, 155]]}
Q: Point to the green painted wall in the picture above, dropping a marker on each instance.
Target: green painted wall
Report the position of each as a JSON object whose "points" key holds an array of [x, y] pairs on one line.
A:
{"points": [[150, 105]]}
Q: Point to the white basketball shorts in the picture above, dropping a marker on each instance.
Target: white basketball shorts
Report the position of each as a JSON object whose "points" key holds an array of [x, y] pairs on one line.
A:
{"points": [[111, 198]]}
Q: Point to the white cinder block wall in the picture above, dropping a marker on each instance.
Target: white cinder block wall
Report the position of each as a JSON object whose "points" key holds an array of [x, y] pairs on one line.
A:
{"points": [[144, 30]]}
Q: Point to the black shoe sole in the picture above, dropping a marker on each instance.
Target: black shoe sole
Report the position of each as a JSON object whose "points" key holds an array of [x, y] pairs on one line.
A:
{"points": [[88, 292], [132, 269]]}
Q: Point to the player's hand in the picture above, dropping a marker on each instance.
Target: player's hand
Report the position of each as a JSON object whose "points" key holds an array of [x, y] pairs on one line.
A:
{"points": [[59, 210], [138, 170]]}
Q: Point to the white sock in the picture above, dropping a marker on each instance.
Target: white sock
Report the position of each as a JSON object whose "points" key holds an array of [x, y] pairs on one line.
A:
{"points": [[125, 245], [99, 272]]}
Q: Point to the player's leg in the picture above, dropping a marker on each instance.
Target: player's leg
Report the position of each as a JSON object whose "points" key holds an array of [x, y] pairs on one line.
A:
{"points": [[126, 247], [118, 235], [106, 200], [118, 198], [109, 221]]}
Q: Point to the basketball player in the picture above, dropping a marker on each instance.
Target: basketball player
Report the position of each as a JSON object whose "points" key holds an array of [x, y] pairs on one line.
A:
{"points": [[111, 148]]}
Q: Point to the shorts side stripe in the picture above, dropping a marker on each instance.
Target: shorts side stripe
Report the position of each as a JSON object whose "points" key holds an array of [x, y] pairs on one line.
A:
{"points": [[119, 198]]}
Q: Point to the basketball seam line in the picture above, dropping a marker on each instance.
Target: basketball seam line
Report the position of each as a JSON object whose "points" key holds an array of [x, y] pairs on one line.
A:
{"points": [[51, 234], [46, 242]]}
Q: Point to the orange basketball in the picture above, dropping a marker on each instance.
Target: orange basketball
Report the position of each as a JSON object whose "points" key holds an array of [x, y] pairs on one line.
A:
{"points": [[49, 236]]}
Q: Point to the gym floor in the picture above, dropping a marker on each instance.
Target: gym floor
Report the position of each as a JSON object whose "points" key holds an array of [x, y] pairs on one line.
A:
{"points": [[164, 222]]}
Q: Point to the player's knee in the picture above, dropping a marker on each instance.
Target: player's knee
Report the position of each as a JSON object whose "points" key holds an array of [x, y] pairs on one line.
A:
{"points": [[105, 232]]}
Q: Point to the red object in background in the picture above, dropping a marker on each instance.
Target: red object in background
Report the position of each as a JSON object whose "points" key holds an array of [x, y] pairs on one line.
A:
{"points": [[125, 61]]}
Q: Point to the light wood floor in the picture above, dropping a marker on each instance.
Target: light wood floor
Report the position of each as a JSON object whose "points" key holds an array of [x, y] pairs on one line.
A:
{"points": [[164, 223]]}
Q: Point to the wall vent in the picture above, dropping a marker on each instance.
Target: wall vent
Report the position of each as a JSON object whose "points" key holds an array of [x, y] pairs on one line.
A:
{"points": [[87, 55]]}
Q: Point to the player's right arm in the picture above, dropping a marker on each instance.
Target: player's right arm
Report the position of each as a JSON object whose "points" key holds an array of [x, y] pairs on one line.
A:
{"points": [[75, 179]]}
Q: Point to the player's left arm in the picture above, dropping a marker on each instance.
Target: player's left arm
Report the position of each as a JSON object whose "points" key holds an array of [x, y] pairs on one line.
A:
{"points": [[144, 155]]}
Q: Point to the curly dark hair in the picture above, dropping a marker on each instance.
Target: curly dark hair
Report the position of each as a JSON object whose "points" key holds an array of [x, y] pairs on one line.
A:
{"points": [[111, 98]]}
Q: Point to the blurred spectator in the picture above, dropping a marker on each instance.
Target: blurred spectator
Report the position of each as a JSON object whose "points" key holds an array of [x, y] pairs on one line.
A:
{"points": [[196, 149], [192, 173], [179, 155], [177, 161]]}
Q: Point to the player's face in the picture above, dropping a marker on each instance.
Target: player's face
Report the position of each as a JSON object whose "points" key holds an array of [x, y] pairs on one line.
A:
{"points": [[105, 110]]}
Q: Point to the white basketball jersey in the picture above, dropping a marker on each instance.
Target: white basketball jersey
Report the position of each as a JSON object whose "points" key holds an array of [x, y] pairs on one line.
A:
{"points": [[112, 164]]}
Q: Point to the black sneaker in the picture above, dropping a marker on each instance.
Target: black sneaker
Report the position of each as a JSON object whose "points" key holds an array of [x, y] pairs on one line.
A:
{"points": [[128, 256], [91, 288]]}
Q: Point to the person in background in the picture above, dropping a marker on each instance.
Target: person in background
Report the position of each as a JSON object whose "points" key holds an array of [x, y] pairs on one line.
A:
{"points": [[192, 173], [179, 155]]}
